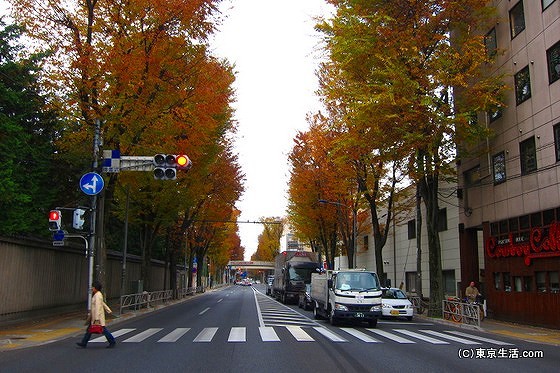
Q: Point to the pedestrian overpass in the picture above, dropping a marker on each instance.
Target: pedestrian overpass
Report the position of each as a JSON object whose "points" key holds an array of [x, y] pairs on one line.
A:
{"points": [[249, 265]]}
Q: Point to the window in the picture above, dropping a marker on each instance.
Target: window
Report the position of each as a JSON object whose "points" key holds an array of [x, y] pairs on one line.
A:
{"points": [[556, 130], [517, 284], [411, 282], [527, 283], [497, 281], [553, 58], [522, 85], [491, 43], [411, 229], [449, 287], [496, 114], [554, 284], [366, 243], [528, 156], [517, 19], [472, 176], [442, 220], [499, 167], [507, 281], [541, 281], [546, 3]]}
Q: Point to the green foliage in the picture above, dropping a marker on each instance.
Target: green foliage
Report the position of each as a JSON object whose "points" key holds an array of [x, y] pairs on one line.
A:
{"points": [[27, 130]]}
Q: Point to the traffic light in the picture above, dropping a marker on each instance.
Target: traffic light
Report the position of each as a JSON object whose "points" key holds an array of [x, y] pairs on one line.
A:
{"points": [[165, 167], [78, 219], [183, 162], [55, 220]]}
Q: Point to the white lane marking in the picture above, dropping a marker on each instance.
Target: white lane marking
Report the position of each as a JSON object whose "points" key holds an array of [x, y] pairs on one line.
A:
{"points": [[142, 336], [493, 341], [221, 299], [451, 337], [299, 334], [362, 336], [174, 335], [390, 336], [268, 334], [329, 334], [422, 337], [237, 334], [206, 335], [115, 334], [203, 311]]}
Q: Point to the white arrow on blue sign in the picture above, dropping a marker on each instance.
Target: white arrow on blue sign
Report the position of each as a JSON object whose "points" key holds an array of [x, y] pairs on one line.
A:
{"points": [[58, 235], [91, 183]]}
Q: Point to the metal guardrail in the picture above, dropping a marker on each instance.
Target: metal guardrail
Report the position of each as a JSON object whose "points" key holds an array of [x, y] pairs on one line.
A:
{"points": [[150, 299], [462, 312]]}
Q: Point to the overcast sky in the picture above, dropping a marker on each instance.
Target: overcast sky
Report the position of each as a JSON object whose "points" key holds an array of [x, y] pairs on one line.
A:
{"points": [[275, 51]]}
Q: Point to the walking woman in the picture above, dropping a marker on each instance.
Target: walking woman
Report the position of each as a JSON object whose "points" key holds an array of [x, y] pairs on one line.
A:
{"points": [[97, 316]]}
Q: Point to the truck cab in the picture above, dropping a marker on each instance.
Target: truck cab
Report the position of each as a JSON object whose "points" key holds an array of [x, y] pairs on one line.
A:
{"points": [[347, 295]]}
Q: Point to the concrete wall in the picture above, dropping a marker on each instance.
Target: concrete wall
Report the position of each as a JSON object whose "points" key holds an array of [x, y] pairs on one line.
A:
{"points": [[38, 278]]}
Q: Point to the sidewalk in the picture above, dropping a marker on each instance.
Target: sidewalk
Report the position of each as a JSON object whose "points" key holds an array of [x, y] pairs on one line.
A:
{"points": [[37, 332]]}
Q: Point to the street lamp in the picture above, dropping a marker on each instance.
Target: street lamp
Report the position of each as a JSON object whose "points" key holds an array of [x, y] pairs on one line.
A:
{"points": [[354, 229]]}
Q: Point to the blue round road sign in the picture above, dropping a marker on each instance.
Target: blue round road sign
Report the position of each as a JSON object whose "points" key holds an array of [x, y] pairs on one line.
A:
{"points": [[92, 183], [58, 236]]}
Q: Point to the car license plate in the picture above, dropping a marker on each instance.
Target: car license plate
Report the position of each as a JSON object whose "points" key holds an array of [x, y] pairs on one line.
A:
{"points": [[394, 312], [359, 314]]}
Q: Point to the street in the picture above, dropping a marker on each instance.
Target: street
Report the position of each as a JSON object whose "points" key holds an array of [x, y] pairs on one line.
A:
{"points": [[240, 329]]}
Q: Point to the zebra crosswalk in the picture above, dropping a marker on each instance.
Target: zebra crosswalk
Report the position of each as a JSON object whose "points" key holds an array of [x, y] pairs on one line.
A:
{"points": [[302, 334]]}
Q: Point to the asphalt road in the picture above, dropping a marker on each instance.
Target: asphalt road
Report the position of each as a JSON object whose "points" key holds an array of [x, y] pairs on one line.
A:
{"points": [[240, 329]]}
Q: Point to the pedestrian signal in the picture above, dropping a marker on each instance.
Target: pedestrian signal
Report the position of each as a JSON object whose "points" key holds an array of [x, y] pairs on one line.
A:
{"points": [[55, 220]]}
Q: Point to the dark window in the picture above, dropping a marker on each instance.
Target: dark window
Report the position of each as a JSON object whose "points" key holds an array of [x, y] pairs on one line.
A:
{"points": [[472, 176], [494, 115], [499, 167], [504, 227], [536, 220], [556, 130], [528, 156], [513, 225], [507, 281], [497, 281], [411, 282], [491, 43], [522, 85], [366, 243], [554, 282], [449, 287], [546, 3], [540, 277], [548, 217], [517, 19], [442, 220], [527, 283], [524, 222], [411, 229], [553, 58], [494, 231]]}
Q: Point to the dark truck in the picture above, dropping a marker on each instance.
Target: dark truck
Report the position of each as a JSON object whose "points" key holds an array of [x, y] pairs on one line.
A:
{"points": [[292, 271]]}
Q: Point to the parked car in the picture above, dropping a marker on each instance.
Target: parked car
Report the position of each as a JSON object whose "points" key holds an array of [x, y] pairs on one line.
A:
{"points": [[395, 303], [305, 301]]}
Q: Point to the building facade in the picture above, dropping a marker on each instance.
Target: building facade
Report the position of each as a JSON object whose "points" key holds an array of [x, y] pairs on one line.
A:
{"points": [[510, 194]]}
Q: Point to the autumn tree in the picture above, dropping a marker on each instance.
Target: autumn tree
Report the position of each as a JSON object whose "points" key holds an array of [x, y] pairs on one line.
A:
{"points": [[140, 72], [392, 79], [315, 177], [268, 245]]}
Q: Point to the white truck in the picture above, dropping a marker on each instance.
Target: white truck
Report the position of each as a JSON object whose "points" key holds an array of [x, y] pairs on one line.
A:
{"points": [[346, 295]]}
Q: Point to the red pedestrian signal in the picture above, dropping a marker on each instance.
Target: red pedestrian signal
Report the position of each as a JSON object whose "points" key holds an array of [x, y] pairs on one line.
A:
{"points": [[55, 220]]}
